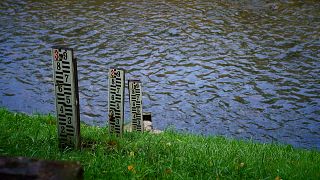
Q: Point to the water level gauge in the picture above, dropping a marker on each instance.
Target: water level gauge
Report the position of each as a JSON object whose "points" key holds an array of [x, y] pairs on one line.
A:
{"points": [[67, 98], [135, 98], [116, 101]]}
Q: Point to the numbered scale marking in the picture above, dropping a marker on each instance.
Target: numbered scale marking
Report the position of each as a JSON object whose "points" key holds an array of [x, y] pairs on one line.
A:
{"points": [[135, 98], [116, 101], [67, 98]]}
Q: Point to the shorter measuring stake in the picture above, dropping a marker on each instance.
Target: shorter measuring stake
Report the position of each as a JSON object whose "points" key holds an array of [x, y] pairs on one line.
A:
{"points": [[135, 98]]}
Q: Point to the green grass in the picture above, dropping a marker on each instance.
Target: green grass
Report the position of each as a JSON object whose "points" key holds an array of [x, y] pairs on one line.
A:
{"points": [[170, 155]]}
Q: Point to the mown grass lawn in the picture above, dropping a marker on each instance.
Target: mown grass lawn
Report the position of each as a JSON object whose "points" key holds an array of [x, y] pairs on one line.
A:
{"points": [[169, 155]]}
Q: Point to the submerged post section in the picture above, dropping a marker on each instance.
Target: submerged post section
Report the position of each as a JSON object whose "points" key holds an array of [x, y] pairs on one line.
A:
{"points": [[67, 97], [135, 96], [116, 101]]}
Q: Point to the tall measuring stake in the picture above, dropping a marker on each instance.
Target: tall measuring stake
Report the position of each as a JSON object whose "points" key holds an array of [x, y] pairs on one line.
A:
{"points": [[67, 97], [116, 101], [135, 96]]}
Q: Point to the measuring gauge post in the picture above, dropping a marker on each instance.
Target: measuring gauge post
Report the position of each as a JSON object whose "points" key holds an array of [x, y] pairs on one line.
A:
{"points": [[135, 99], [67, 97], [116, 101]]}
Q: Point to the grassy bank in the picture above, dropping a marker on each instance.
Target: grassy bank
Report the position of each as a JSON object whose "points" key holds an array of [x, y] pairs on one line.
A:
{"points": [[166, 156]]}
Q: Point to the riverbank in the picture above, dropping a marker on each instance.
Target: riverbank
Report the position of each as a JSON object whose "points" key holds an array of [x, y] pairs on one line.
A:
{"points": [[168, 155]]}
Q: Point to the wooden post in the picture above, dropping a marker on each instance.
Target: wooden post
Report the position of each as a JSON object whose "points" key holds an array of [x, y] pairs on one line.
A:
{"points": [[135, 98], [67, 97], [25, 168], [116, 101], [147, 116]]}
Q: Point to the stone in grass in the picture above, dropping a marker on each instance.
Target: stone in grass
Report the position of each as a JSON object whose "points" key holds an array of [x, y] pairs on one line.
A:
{"points": [[148, 127], [147, 124], [25, 168]]}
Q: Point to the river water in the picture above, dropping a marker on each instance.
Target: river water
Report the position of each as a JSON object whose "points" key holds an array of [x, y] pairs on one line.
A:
{"points": [[241, 69]]}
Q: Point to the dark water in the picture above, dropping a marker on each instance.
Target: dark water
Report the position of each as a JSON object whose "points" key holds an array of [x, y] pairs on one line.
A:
{"points": [[248, 69]]}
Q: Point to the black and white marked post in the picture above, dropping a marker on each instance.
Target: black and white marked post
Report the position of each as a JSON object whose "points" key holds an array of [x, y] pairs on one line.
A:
{"points": [[135, 98], [116, 101], [67, 97]]}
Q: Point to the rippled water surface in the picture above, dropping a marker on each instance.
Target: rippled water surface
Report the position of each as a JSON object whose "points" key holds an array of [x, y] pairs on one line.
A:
{"points": [[248, 69]]}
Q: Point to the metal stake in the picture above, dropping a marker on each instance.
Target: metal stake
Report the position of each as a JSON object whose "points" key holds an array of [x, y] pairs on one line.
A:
{"points": [[135, 97], [116, 101], [67, 98]]}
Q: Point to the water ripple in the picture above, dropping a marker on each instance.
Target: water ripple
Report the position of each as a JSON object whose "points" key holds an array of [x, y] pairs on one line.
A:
{"points": [[244, 69]]}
